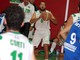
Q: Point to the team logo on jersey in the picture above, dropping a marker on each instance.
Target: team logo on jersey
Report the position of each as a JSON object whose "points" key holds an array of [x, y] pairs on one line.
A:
{"points": [[27, 10]]}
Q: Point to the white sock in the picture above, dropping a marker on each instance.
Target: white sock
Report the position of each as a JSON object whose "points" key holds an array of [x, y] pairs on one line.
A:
{"points": [[62, 49], [46, 59], [53, 47]]}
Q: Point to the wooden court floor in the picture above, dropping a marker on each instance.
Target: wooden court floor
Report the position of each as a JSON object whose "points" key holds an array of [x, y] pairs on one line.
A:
{"points": [[59, 57]]}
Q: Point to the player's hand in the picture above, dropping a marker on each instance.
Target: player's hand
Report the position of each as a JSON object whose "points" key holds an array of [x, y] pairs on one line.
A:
{"points": [[44, 16], [59, 37], [31, 28]]}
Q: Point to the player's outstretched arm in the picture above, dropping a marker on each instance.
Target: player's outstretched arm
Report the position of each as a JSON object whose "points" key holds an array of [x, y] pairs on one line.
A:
{"points": [[52, 18], [64, 32]]}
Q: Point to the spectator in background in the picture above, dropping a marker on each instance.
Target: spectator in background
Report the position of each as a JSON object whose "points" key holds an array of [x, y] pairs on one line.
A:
{"points": [[28, 11], [42, 25]]}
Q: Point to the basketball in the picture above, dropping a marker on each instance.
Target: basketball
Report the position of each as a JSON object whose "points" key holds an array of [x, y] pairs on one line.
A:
{"points": [[45, 16]]}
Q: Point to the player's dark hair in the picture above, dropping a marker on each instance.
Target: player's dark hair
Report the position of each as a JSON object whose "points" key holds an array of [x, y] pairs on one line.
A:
{"points": [[14, 17]]}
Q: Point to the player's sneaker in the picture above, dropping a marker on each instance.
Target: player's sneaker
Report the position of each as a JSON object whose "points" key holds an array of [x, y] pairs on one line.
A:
{"points": [[52, 54]]}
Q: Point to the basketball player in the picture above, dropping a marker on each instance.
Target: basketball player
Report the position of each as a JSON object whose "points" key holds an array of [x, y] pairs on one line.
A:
{"points": [[72, 38], [72, 42], [42, 26], [32, 2], [72, 19], [29, 10], [13, 45]]}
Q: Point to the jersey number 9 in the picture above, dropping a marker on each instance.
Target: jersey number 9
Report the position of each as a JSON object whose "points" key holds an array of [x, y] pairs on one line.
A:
{"points": [[73, 38]]}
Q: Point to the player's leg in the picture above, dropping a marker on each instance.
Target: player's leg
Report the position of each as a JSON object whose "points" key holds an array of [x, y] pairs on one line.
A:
{"points": [[31, 34], [46, 43], [36, 41], [53, 45], [46, 51]]}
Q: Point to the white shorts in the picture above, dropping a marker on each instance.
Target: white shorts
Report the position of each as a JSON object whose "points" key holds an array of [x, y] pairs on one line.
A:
{"points": [[41, 35], [31, 34]]}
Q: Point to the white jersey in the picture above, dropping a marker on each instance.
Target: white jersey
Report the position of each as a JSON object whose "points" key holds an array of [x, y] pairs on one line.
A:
{"points": [[28, 10], [76, 17], [41, 24], [15, 46]]}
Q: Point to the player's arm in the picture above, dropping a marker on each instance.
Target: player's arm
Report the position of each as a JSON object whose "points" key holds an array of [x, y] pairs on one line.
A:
{"points": [[64, 32], [52, 18], [34, 19], [33, 57], [69, 22], [33, 16], [59, 36]]}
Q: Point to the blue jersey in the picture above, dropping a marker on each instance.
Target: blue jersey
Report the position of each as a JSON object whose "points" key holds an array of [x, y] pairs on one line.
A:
{"points": [[2, 17], [72, 43]]}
